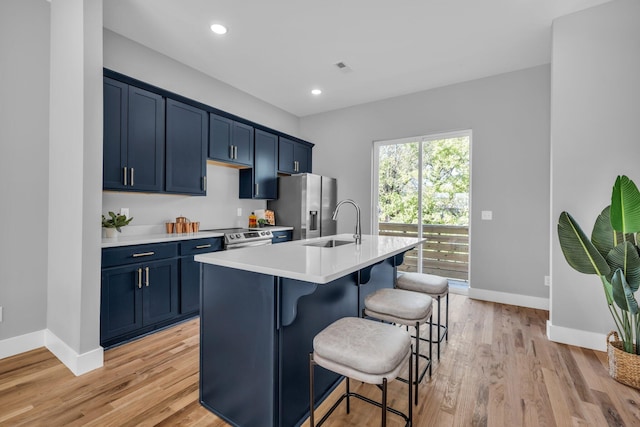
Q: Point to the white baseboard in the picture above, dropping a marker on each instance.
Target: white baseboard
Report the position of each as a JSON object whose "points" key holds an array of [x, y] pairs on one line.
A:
{"points": [[20, 344], [77, 363], [586, 339], [511, 299]]}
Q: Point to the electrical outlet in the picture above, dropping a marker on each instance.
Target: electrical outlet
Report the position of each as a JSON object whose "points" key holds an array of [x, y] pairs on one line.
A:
{"points": [[547, 280], [487, 215], [125, 212], [239, 211]]}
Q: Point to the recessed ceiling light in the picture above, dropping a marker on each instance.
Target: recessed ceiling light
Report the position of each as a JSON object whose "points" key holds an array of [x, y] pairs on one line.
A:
{"points": [[316, 91], [219, 29]]}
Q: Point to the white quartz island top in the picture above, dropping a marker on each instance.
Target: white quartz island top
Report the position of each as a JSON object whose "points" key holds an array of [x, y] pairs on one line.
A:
{"points": [[296, 260]]}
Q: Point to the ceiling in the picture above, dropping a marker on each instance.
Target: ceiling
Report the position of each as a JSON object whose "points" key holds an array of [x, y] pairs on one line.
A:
{"points": [[279, 50]]}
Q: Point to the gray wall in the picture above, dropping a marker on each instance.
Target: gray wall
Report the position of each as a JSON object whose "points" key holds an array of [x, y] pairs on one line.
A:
{"points": [[509, 117], [24, 164], [595, 127], [219, 207]]}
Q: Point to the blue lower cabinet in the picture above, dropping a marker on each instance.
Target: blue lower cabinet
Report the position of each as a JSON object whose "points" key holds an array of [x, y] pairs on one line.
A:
{"points": [[282, 236], [149, 287], [136, 297]]}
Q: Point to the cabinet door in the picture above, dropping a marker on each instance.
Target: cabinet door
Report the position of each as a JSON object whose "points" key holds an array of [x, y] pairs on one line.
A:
{"points": [[282, 236], [186, 149], [160, 291], [189, 285], [260, 182], [265, 165], [120, 301], [285, 155], [302, 155], [220, 129], [230, 141], [115, 99], [145, 138], [242, 139]]}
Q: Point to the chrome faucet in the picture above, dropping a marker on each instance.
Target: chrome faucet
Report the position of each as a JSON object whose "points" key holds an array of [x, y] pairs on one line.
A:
{"points": [[358, 235]]}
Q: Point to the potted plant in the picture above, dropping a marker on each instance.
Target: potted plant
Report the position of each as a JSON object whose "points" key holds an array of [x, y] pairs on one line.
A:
{"points": [[612, 254], [114, 223]]}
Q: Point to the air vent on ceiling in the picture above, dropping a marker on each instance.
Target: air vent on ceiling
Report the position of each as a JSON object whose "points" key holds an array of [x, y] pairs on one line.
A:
{"points": [[343, 67]]}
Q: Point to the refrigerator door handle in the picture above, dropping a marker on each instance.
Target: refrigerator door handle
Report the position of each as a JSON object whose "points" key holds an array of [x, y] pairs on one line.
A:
{"points": [[313, 220]]}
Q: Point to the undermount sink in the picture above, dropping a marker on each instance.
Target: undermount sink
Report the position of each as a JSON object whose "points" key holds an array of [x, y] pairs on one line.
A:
{"points": [[329, 243]]}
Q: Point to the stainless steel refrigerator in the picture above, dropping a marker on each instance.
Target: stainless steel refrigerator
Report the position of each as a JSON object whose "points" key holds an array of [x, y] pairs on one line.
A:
{"points": [[306, 203]]}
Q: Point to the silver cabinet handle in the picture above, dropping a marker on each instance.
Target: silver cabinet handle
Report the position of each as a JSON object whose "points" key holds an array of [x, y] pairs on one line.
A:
{"points": [[204, 183], [257, 188], [231, 152], [235, 152], [132, 177], [139, 278], [143, 254], [146, 281], [280, 237], [124, 175], [203, 246]]}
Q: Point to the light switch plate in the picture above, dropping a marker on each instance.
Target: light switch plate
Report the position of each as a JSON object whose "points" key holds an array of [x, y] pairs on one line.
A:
{"points": [[239, 211], [487, 215]]}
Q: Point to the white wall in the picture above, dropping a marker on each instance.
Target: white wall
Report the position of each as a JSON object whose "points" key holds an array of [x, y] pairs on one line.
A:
{"points": [[219, 207], [24, 165], [595, 127], [509, 117]]}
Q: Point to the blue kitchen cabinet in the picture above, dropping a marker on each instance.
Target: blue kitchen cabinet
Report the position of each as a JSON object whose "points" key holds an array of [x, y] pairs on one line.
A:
{"points": [[190, 271], [133, 146], [261, 181], [293, 156], [282, 236], [186, 149], [136, 297], [230, 141], [139, 291]]}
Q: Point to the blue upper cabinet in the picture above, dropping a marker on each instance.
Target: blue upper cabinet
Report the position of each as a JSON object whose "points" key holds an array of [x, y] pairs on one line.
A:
{"points": [[230, 141], [133, 138], [186, 148], [293, 156], [116, 101], [261, 181]]}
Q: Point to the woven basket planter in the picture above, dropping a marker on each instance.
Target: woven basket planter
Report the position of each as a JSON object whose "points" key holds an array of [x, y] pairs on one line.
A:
{"points": [[623, 367]]}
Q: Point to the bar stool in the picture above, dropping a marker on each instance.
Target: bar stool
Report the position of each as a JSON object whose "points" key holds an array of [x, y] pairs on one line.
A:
{"points": [[434, 286], [364, 350], [404, 308]]}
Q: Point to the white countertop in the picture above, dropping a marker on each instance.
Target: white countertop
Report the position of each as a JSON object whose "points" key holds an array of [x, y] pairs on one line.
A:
{"points": [[141, 239], [294, 260]]}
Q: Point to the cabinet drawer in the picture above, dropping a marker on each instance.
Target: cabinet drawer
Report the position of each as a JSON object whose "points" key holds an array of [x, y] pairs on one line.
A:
{"points": [[138, 253], [281, 236], [200, 246]]}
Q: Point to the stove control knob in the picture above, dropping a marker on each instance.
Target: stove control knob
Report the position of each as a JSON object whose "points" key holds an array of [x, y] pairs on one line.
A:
{"points": [[231, 236], [262, 233], [238, 236]]}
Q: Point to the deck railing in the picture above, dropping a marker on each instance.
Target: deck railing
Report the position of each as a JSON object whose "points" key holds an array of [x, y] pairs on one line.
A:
{"points": [[445, 253]]}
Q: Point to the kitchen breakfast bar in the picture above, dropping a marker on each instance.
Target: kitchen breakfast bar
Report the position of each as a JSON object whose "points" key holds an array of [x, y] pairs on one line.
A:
{"points": [[262, 306]]}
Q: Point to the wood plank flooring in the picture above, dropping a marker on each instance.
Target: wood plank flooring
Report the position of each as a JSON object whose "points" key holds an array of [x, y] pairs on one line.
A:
{"points": [[498, 369]]}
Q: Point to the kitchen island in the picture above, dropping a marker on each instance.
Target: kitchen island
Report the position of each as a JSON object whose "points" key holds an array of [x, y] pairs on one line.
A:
{"points": [[261, 308]]}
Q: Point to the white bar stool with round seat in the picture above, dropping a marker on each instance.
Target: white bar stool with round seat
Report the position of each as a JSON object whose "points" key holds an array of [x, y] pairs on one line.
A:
{"points": [[434, 286], [368, 351], [404, 308]]}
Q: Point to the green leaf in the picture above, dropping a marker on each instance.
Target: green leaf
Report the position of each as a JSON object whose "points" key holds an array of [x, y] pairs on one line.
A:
{"points": [[603, 236], [622, 293], [608, 291], [624, 258], [578, 250], [625, 206]]}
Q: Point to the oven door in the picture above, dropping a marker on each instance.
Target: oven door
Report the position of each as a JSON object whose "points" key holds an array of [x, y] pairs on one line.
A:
{"points": [[248, 244]]}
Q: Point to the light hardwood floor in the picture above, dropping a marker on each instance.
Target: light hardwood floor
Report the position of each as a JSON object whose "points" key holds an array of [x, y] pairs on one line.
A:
{"points": [[498, 369]]}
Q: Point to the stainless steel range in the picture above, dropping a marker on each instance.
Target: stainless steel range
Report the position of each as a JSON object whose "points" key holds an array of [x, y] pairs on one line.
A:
{"points": [[236, 238]]}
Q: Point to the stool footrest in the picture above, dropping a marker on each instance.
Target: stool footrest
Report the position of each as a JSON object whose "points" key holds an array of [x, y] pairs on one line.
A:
{"points": [[365, 399], [424, 371]]}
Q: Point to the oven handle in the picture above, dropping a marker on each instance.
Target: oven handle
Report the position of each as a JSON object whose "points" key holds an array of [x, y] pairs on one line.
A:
{"points": [[248, 244]]}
